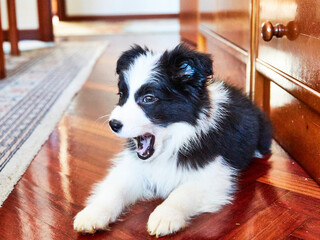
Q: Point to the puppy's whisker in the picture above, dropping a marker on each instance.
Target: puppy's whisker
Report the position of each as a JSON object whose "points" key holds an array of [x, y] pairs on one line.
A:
{"points": [[105, 123], [102, 124], [104, 116]]}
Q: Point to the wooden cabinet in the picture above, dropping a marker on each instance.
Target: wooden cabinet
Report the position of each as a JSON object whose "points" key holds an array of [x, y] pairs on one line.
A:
{"points": [[281, 75], [293, 67], [225, 26]]}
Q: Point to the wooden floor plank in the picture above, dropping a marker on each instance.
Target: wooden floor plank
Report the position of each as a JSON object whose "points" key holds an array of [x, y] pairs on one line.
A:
{"points": [[301, 203], [309, 230], [49, 213], [22, 225], [292, 182], [273, 222]]}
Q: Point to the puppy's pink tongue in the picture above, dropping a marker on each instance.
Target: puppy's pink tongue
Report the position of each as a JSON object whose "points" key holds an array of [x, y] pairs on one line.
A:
{"points": [[144, 145]]}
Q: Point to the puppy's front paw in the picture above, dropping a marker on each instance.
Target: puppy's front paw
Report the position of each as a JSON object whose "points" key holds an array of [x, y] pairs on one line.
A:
{"points": [[91, 219], [165, 220]]}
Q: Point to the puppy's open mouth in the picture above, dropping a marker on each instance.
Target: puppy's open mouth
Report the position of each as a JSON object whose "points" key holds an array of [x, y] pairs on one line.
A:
{"points": [[145, 145]]}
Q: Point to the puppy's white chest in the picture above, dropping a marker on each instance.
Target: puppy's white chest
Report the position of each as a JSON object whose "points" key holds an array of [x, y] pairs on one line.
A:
{"points": [[162, 177]]}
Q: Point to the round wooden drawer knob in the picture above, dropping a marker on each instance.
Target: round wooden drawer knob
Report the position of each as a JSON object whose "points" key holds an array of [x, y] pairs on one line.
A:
{"points": [[279, 30]]}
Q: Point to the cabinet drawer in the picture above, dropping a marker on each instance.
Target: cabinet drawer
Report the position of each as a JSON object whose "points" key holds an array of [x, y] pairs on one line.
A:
{"points": [[298, 58]]}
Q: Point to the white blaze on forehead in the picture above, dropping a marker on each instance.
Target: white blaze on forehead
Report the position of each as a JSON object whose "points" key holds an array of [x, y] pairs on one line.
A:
{"points": [[141, 71]]}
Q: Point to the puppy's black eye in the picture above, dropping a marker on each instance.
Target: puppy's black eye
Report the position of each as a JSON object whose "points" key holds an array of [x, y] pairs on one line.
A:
{"points": [[149, 99]]}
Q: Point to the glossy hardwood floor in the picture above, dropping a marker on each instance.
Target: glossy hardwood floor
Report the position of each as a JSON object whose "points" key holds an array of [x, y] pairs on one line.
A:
{"points": [[276, 198]]}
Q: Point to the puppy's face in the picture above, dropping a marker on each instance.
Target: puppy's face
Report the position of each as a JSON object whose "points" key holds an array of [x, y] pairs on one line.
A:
{"points": [[156, 91]]}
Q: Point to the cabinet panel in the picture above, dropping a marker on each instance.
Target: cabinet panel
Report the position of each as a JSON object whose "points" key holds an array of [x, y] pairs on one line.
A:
{"points": [[229, 62], [297, 129], [228, 18], [298, 58], [228, 67]]}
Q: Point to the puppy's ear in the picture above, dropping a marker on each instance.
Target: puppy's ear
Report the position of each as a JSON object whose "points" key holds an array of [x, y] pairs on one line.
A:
{"points": [[184, 65], [129, 56]]}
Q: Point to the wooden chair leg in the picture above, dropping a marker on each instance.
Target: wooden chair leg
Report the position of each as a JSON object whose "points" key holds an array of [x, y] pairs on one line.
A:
{"points": [[45, 20], [13, 30], [2, 59]]}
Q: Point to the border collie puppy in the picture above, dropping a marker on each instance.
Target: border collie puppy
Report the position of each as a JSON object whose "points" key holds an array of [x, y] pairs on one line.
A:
{"points": [[188, 138]]}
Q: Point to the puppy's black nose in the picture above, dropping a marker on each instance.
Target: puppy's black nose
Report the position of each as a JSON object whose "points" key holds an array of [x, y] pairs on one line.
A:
{"points": [[115, 125]]}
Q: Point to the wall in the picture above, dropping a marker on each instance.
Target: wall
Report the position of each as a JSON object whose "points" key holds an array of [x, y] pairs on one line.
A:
{"points": [[27, 14], [120, 7], [220, 6]]}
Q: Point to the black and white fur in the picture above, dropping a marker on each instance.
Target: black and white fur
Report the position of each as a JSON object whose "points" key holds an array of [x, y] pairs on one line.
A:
{"points": [[204, 133]]}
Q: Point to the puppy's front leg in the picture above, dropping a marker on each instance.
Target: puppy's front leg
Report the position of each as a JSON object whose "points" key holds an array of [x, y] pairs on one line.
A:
{"points": [[210, 190], [173, 213], [120, 188]]}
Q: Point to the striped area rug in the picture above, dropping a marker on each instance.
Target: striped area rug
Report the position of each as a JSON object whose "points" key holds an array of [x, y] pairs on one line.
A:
{"points": [[32, 100]]}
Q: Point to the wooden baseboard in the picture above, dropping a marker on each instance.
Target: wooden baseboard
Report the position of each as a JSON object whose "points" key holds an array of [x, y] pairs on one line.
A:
{"points": [[116, 17], [23, 34]]}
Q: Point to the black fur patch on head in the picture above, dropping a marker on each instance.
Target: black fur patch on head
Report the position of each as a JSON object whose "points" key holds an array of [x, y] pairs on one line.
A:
{"points": [[123, 64], [129, 56], [123, 91], [180, 85], [186, 67], [171, 107]]}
